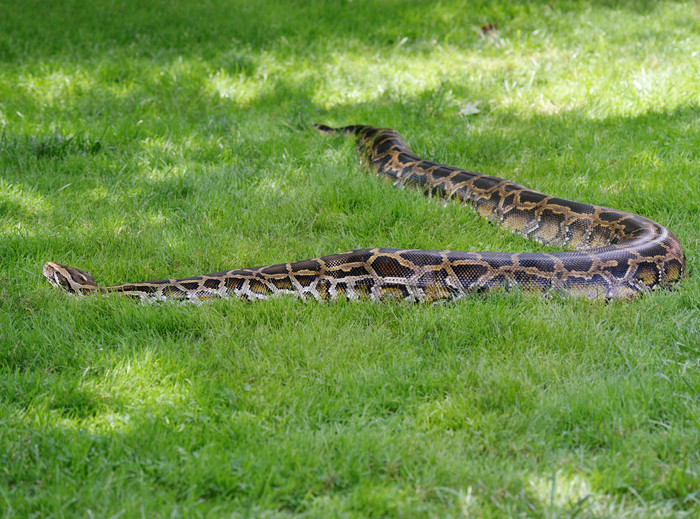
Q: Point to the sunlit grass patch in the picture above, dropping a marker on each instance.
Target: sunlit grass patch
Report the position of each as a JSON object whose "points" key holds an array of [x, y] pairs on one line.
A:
{"points": [[17, 204]]}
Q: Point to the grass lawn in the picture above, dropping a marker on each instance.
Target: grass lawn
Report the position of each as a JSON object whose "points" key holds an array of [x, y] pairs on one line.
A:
{"points": [[148, 140]]}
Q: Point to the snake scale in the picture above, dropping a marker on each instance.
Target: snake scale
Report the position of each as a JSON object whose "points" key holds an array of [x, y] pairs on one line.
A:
{"points": [[611, 254]]}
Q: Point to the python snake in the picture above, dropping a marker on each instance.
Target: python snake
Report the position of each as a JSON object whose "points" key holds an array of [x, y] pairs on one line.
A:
{"points": [[613, 254]]}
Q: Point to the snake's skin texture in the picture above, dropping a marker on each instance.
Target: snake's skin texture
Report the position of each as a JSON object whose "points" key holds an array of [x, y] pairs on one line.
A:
{"points": [[613, 254]]}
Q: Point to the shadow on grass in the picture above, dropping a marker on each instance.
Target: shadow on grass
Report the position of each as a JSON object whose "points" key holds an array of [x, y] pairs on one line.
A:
{"points": [[72, 29], [639, 163]]}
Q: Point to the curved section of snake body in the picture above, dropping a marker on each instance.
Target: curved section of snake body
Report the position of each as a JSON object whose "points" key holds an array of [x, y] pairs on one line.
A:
{"points": [[614, 254]]}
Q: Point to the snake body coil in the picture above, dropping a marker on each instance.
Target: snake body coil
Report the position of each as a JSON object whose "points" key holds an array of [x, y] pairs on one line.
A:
{"points": [[614, 254]]}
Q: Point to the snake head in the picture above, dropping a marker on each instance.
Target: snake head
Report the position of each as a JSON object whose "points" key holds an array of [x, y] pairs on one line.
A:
{"points": [[72, 280]]}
